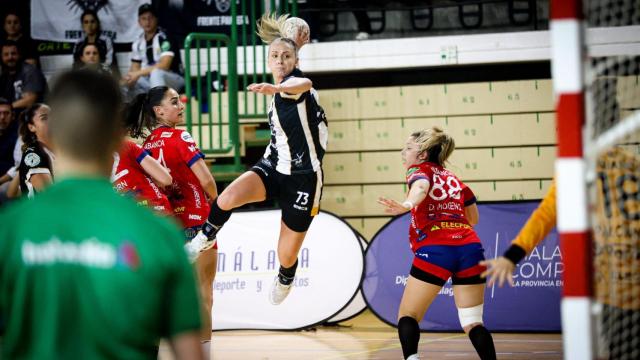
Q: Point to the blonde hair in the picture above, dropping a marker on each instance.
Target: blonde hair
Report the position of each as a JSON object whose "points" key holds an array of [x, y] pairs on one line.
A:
{"points": [[436, 143], [271, 27]]}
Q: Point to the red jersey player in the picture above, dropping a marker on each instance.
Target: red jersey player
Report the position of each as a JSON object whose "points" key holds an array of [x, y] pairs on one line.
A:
{"points": [[443, 211], [133, 170], [159, 111], [176, 150]]}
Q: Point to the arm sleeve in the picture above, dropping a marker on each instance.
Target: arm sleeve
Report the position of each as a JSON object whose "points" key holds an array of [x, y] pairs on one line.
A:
{"points": [[166, 48], [414, 174], [138, 152], [189, 152], [36, 162], [536, 229], [468, 196]]}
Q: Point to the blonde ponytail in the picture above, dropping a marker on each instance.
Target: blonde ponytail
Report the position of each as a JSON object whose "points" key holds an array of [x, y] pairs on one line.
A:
{"points": [[270, 27]]}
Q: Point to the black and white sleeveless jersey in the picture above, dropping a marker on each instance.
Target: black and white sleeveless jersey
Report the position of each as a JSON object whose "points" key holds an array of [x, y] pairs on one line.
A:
{"points": [[35, 160], [298, 132]]}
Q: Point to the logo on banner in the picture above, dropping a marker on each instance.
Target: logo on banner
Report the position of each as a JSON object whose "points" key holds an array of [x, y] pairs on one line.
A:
{"points": [[223, 5], [542, 268], [85, 5]]}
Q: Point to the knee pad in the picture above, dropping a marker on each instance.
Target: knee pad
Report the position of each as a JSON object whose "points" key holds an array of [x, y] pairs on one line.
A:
{"points": [[470, 315]]}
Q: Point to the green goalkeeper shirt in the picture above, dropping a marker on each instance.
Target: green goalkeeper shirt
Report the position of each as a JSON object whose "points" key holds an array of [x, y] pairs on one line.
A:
{"points": [[87, 274]]}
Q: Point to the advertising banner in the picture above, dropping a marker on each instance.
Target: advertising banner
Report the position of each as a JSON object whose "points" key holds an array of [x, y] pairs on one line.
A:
{"points": [[59, 20], [357, 305], [330, 270], [533, 304]]}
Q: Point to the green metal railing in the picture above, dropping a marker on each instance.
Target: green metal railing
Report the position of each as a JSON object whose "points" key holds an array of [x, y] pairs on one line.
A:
{"points": [[219, 41], [212, 120]]}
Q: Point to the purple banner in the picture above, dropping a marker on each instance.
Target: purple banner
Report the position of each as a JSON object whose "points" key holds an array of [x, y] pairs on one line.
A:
{"points": [[532, 305]]}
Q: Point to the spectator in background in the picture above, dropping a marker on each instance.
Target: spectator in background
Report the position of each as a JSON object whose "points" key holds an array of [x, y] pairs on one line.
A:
{"points": [[13, 31], [92, 35], [21, 83], [154, 60], [90, 59], [8, 139]]}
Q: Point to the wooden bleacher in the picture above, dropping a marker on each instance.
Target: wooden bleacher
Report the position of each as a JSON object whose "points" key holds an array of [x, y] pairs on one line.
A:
{"points": [[504, 132]]}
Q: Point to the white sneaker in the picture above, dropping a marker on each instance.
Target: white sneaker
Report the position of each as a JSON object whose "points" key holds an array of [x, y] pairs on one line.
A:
{"points": [[362, 36], [413, 357], [199, 244], [279, 292]]}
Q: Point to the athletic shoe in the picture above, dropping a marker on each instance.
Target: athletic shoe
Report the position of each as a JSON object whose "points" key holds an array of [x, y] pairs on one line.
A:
{"points": [[199, 244], [413, 357], [279, 292], [362, 36]]}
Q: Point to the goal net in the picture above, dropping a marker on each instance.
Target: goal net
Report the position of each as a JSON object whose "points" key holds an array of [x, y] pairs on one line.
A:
{"points": [[612, 152]]}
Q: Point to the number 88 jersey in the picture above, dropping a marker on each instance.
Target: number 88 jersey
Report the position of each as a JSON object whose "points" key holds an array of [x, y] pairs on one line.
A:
{"points": [[440, 218]]}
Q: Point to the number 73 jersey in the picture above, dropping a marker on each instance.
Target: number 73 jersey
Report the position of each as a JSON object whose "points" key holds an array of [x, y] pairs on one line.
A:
{"points": [[440, 218]]}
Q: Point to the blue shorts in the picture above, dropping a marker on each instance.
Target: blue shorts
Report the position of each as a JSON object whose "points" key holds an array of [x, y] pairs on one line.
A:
{"points": [[435, 264]]}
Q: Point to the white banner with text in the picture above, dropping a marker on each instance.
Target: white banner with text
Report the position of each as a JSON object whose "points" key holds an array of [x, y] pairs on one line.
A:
{"points": [[330, 269]]}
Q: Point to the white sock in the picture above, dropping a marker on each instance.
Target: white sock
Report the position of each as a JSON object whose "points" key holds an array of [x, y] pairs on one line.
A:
{"points": [[206, 348]]}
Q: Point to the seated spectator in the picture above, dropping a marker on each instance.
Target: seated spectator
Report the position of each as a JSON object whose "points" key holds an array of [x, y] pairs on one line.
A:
{"points": [[92, 35], [90, 59], [8, 140], [13, 31], [21, 83], [154, 59]]}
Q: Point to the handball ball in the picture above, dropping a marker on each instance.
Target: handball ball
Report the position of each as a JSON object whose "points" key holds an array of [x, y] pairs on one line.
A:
{"points": [[297, 30]]}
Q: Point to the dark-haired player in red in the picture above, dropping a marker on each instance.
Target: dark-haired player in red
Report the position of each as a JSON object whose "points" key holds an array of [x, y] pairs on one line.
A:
{"points": [[443, 212], [193, 186], [138, 174]]}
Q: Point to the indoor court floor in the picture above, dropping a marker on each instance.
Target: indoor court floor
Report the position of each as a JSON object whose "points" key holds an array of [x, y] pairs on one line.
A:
{"points": [[366, 337]]}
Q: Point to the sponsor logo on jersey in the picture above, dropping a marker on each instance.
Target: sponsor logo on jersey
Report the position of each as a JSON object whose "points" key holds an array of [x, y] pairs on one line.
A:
{"points": [[32, 159], [192, 148], [179, 209], [153, 145], [195, 217], [186, 137], [454, 225], [166, 134], [88, 252], [435, 228], [298, 160], [120, 186]]}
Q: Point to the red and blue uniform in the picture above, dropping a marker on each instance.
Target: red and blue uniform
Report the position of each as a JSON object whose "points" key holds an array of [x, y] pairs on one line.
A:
{"points": [[444, 243], [129, 178], [177, 151]]}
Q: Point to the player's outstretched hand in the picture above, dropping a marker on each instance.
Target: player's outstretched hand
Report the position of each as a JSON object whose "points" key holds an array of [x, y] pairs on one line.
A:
{"points": [[391, 206], [499, 269], [263, 88]]}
